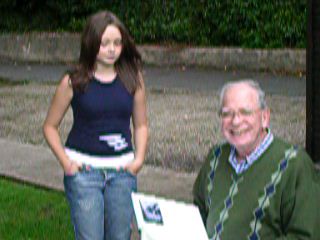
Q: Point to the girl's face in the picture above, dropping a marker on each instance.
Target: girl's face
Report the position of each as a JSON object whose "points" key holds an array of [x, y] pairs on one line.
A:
{"points": [[110, 47]]}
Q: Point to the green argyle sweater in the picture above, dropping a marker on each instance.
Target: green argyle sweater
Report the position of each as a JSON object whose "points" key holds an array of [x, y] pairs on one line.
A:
{"points": [[276, 198]]}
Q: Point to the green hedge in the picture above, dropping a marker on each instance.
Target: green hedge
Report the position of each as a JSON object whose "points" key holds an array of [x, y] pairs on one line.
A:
{"points": [[247, 23]]}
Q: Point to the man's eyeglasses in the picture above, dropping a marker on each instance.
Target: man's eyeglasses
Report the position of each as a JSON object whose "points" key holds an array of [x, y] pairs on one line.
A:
{"points": [[242, 112]]}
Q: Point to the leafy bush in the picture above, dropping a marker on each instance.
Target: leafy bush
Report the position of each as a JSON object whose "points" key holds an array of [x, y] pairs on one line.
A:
{"points": [[250, 23]]}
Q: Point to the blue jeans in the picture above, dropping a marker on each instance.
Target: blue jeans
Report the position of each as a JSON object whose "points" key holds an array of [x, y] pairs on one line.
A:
{"points": [[100, 203]]}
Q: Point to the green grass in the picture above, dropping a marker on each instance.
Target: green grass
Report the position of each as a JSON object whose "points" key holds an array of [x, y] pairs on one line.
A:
{"points": [[27, 213], [4, 82]]}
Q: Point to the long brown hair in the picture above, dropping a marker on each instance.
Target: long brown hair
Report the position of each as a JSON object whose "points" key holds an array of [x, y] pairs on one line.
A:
{"points": [[129, 64]]}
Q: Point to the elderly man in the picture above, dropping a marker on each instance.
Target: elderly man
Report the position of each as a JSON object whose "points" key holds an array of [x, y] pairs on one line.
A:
{"points": [[255, 186]]}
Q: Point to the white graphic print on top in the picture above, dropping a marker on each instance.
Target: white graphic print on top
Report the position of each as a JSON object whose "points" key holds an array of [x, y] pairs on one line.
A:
{"points": [[115, 141]]}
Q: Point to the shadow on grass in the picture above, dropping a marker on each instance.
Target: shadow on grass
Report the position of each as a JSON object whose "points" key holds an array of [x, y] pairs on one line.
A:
{"points": [[36, 186]]}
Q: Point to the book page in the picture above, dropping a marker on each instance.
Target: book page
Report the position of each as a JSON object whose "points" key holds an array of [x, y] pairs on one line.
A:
{"points": [[167, 219]]}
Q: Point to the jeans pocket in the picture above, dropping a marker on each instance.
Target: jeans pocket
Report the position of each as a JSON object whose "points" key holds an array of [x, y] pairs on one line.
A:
{"points": [[71, 175], [130, 173], [84, 169]]}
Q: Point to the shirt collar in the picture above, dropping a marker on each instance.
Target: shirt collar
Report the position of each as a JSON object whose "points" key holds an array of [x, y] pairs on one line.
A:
{"points": [[254, 156]]}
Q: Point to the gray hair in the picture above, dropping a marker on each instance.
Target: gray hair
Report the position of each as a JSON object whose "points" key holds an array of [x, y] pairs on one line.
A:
{"points": [[251, 83]]}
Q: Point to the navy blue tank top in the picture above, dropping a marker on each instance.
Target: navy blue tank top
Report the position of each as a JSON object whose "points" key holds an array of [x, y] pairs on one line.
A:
{"points": [[101, 116]]}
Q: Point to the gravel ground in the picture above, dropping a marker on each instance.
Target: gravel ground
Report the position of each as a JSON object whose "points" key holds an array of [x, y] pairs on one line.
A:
{"points": [[183, 124]]}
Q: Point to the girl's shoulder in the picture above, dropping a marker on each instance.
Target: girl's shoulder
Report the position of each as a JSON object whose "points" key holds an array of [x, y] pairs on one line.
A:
{"points": [[65, 85], [66, 80]]}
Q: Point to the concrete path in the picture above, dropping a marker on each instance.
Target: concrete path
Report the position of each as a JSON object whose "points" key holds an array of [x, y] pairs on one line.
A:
{"points": [[38, 166], [181, 78]]}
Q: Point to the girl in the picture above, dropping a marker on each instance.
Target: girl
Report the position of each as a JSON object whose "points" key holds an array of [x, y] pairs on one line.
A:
{"points": [[105, 91]]}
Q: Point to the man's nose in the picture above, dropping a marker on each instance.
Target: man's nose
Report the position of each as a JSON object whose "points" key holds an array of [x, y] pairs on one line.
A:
{"points": [[236, 119]]}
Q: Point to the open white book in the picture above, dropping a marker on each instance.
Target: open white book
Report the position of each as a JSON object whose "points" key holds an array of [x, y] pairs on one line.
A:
{"points": [[158, 219]]}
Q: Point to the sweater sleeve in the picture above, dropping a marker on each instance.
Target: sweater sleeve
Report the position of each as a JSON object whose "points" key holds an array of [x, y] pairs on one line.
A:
{"points": [[199, 195], [200, 191], [299, 205]]}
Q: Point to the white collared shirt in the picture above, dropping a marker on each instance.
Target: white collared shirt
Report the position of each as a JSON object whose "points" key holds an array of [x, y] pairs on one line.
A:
{"points": [[242, 166]]}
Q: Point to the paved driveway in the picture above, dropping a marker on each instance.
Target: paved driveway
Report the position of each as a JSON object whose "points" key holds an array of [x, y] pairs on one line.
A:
{"points": [[174, 77]]}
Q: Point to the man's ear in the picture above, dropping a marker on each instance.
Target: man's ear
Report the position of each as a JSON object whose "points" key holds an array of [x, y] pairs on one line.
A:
{"points": [[265, 118]]}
